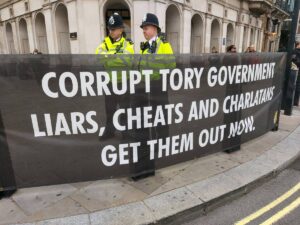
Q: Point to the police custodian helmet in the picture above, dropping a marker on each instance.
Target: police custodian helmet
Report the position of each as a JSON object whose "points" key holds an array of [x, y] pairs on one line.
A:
{"points": [[115, 21], [150, 19]]}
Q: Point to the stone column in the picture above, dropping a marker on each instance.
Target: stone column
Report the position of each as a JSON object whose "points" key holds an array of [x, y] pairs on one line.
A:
{"points": [[15, 37], [239, 37], [247, 36], [255, 38], [73, 25], [160, 11], [187, 16], [208, 20], [3, 45], [30, 33], [261, 40], [278, 35], [224, 36], [50, 29]]}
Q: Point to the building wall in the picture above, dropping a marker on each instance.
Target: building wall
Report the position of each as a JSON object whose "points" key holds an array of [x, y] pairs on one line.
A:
{"points": [[87, 18]]}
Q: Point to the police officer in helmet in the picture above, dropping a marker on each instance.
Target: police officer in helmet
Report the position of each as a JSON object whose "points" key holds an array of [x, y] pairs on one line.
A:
{"points": [[115, 42], [155, 44]]}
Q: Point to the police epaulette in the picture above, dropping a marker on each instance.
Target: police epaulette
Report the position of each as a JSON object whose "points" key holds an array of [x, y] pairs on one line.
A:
{"points": [[105, 44], [164, 41], [129, 40], [162, 37]]}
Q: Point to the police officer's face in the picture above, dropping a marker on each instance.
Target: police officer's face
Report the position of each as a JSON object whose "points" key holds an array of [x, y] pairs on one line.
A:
{"points": [[149, 32], [115, 33]]}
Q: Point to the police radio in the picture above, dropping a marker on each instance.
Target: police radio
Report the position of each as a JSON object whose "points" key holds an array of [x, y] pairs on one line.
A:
{"points": [[144, 46], [118, 49], [151, 48], [163, 37]]}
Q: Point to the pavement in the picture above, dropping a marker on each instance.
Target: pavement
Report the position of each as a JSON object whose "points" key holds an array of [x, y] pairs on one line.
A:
{"points": [[199, 185]]}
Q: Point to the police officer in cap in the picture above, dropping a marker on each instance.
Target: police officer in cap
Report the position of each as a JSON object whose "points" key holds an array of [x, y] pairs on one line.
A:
{"points": [[114, 43]]}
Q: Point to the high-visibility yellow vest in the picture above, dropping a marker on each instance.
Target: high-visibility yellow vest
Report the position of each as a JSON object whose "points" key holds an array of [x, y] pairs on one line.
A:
{"points": [[162, 47], [163, 58], [123, 46]]}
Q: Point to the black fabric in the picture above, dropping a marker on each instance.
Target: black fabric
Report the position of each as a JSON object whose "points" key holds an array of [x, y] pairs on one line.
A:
{"points": [[63, 157], [297, 91], [296, 57], [115, 21]]}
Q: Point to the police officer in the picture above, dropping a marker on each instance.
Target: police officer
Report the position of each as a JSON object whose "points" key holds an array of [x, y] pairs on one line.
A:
{"points": [[155, 44], [115, 43]]}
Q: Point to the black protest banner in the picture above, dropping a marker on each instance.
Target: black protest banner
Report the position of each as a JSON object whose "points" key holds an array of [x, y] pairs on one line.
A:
{"points": [[69, 118]]}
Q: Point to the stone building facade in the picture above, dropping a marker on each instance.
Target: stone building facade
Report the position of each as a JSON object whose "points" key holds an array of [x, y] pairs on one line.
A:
{"points": [[192, 26]]}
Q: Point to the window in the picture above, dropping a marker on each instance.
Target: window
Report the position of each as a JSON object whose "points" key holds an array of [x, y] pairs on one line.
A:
{"points": [[26, 6], [11, 12], [209, 7]]}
